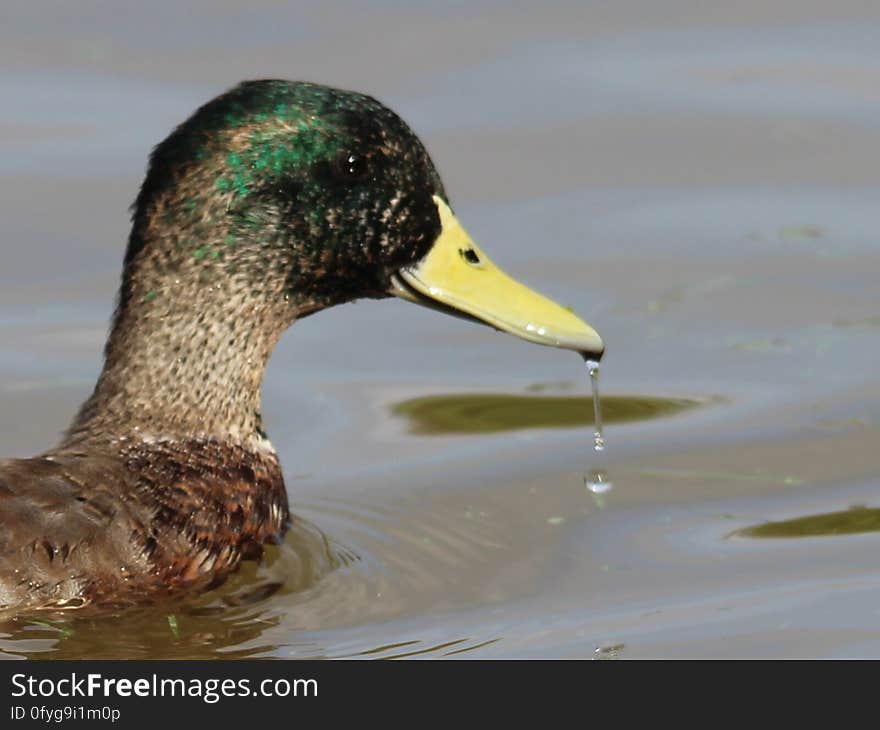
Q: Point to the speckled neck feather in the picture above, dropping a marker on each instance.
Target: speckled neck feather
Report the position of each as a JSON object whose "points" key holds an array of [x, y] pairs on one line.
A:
{"points": [[187, 361]]}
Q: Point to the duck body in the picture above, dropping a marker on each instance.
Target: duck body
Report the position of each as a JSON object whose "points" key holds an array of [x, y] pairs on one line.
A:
{"points": [[271, 202], [153, 520]]}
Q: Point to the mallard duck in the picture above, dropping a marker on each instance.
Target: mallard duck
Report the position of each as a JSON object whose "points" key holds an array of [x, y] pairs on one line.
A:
{"points": [[273, 201]]}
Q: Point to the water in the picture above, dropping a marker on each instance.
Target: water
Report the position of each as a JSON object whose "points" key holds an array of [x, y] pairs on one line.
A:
{"points": [[704, 194], [598, 438], [597, 482]]}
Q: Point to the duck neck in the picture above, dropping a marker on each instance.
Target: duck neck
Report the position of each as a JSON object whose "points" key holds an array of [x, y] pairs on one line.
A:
{"points": [[185, 360]]}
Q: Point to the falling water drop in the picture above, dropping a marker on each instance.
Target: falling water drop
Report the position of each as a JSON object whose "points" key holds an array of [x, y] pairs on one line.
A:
{"points": [[597, 482], [598, 438], [599, 485]]}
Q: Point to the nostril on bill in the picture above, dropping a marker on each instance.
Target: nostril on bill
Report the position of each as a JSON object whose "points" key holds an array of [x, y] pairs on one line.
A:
{"points": [[469, 255]]}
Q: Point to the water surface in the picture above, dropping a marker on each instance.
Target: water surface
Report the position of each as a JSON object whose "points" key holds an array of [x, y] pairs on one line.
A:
{"points": [[700, 183]]}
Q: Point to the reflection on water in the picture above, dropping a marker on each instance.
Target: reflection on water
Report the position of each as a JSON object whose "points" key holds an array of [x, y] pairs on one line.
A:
{"points": [[847, 522], [493, 413], [143, 634]]}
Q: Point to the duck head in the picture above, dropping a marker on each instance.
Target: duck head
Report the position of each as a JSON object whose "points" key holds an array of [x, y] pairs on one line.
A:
{"points": [[331, 195]]}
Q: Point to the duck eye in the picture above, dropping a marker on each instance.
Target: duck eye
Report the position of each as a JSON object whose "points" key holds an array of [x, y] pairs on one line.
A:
{"points": [[469, 255], [351, 167]]}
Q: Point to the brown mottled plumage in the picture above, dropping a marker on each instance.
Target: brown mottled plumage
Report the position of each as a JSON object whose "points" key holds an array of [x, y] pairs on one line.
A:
{"points": [[150, 521]]}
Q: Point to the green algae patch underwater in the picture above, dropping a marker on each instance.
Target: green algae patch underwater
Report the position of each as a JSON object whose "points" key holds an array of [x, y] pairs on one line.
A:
{"points": [[470, 413], [852, 521]]}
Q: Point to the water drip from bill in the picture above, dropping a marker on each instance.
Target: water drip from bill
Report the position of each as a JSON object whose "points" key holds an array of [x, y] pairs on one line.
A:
{"points": [[598, 438], [596, 481]]}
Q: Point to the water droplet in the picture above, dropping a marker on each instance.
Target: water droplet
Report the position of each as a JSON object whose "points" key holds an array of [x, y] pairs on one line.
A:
{"points": [[597, 482], [598, 438]]}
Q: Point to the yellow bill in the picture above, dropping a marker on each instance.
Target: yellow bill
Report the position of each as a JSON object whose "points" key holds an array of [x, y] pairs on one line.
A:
{"points": [[457, 277]]}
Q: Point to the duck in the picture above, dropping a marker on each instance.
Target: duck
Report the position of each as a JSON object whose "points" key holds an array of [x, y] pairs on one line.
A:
{"points": [[273, 201]]}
